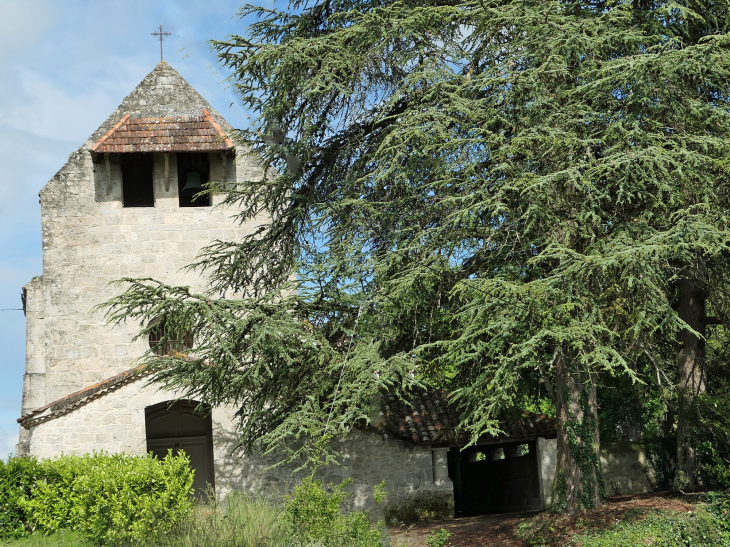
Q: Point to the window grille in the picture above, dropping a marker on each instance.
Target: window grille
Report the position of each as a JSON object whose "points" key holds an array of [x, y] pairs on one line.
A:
{"points": [[172, 345]]}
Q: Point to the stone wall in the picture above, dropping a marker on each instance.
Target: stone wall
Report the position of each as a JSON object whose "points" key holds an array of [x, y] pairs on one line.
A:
{"points": [[626, 468], [416, 477]]}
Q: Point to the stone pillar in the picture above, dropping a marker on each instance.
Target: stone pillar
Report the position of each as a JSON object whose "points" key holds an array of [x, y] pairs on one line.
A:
{"points": [[34, 379], [441, 467], [547, 459]]}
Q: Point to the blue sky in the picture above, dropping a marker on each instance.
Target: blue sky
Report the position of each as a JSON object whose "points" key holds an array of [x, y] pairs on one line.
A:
{"points": [[65, 66]]}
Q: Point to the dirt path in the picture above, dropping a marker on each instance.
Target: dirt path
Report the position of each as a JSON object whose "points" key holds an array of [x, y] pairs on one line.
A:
{"points": [[501, 530], [491, 530]]}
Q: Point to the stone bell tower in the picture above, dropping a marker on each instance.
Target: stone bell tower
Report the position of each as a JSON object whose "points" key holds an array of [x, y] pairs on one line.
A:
{"points": [[122, 206]]}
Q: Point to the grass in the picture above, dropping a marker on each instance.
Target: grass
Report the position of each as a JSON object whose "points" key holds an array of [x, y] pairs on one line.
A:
{"points": [[659, 529], [675, 525], [60, 539], [238, 521]]}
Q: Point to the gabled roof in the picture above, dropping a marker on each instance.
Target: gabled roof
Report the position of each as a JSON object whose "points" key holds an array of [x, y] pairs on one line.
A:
{"points": [[432, 420], [172, 134]]}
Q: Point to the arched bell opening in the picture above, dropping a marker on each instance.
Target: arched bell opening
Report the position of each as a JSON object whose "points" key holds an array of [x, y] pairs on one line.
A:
{"points": [[183, 426], [193, 172], [165, 342]]}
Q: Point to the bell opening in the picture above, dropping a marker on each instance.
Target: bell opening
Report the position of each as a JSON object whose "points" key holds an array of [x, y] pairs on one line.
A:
{"points": [[193, 172]]}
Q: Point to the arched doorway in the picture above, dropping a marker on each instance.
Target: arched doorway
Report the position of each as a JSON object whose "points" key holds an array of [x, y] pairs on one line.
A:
{"points": [[178, 426]]}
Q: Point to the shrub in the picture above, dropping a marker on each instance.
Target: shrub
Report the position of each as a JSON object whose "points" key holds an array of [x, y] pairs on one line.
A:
{"points": [[316, 518], [125, 499], [108, 498], [17, 479], [438, 538], [53, 503]]}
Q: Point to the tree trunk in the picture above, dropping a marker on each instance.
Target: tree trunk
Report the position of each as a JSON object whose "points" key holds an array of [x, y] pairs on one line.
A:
{"points": [[691, 363], [578, 480]]}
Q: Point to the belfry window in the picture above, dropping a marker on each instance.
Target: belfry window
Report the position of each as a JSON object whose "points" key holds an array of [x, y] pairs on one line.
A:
{"points": [[193, 171], [164, 342], [137, 180]]}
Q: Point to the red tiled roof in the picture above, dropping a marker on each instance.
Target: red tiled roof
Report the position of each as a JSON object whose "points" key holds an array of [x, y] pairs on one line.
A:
{"points": [[74, 400], [176, 134], [432, 420]]}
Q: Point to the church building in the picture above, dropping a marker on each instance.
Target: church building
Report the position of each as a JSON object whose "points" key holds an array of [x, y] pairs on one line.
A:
{"points": [[122, 206]]}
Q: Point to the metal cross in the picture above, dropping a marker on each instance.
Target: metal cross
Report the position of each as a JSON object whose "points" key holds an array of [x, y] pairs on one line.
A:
{"points": [[161, 35]]}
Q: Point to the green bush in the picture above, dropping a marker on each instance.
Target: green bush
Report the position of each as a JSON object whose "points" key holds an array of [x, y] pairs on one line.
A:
{"points": [[438, 538], [110, 499], [17, 479], [316, 517], [53, 503], [123, 499]]}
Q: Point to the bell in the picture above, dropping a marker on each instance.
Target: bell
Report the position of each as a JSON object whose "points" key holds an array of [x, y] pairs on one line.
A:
{"points": [[192, 182]]}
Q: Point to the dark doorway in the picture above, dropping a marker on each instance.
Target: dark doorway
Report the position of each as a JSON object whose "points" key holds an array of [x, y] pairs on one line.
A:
{"points": [[137, 180], [193, 171], [180, 427], [495, 479]]}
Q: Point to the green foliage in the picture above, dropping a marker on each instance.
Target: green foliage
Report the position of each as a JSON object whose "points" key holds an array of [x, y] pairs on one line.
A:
{"points": [[486, 186], [18, 477], [662, 529], [701, 527], [711, 435], [718, 503], [438, 538], [55, 501], [634, 411], [237, 521], [109, 498], [316, 518], [123, 498]]}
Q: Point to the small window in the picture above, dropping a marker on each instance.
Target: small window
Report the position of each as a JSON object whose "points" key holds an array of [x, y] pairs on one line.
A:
{"points": [[193, 171], [173, 344], [137, 180]]}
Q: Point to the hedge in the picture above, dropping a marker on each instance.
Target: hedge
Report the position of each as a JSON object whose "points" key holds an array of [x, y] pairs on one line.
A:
{"points": [[109, 498]]}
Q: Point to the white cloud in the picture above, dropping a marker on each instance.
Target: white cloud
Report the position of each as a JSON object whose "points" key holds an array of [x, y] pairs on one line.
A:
{"points": [[39, 104], [21, 25]]}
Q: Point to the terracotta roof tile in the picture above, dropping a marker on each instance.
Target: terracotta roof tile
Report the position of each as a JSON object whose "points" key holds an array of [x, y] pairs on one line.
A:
{"points": [[74, 400], [432, 420], [175, 134]]}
